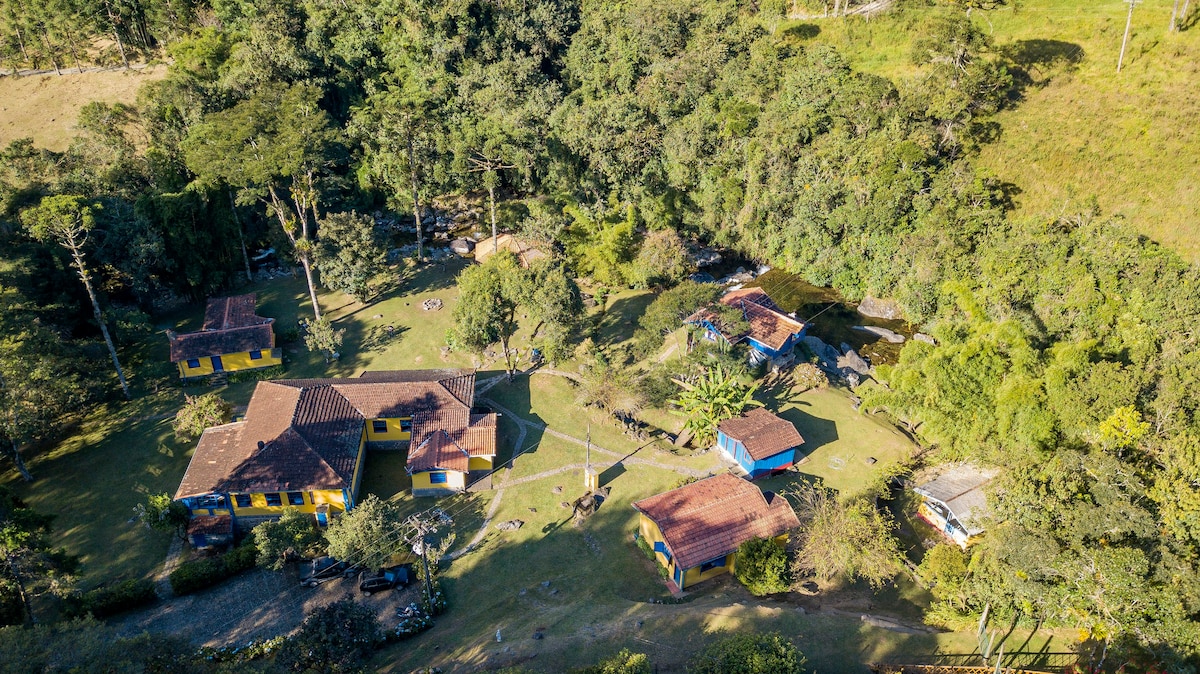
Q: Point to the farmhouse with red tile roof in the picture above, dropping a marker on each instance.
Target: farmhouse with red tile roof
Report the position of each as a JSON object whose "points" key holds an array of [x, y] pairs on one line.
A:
{"points": [[302, 443], [771, 335], [760, 442]]}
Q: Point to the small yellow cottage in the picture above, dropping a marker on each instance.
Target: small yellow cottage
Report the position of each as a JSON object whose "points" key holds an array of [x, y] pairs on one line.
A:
{"points": [[232, 338], [695, 530], [302, 442]]}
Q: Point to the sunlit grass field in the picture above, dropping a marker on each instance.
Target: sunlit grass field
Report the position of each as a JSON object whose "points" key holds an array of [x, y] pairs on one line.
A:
{"points": [[1079, 131]]}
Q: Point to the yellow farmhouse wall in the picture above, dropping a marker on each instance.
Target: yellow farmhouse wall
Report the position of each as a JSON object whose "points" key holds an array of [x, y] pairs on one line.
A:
{"points": [[230, 362], [479, 463], [394, 432], [258, 503]]}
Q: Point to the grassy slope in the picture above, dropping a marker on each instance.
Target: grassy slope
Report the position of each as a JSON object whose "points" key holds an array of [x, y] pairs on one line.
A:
{"points": [[1129, 140], [45, 107]]}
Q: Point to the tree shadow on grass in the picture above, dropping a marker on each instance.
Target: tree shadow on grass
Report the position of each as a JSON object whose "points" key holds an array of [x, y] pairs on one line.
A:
{"points": [[1033, 63], [817, 432], [411, 278], [802, 31], [514, 396], [618, 321]]}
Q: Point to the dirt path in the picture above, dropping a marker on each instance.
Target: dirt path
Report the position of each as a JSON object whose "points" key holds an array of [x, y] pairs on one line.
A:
{"points": [[523, 425]]}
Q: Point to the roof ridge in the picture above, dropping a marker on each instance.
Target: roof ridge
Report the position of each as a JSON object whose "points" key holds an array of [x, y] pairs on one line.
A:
{"points": [[721, 497], [308, 446]]}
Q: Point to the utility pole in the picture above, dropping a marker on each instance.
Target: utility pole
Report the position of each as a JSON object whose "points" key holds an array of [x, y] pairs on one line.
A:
{"points": [[420, 528], [591, 481], [1125, 40]]}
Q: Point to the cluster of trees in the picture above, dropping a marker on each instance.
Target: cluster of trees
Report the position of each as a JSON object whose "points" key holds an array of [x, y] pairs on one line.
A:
{"points": [[62, 34], [1069, 362]]}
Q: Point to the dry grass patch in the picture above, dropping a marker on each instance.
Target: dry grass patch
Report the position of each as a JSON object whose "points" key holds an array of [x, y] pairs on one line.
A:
{"points": [[45, 107]]}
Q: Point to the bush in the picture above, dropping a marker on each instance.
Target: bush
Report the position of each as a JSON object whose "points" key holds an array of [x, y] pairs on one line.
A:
{"points": [[261, 374], [294, 534], [111, 600], [198, 413], [644, 546], [625, 662], [340, 637], [201, 573], [762, 566], [749, 654]]}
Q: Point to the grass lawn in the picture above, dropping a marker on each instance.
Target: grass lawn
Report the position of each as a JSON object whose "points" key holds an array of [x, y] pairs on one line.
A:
{"points": [[92, 481], [549, 400], [838, 441], [1080, 130]]}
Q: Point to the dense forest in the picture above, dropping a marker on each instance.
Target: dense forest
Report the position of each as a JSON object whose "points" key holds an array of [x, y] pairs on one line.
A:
{"points": [[617, 130]]}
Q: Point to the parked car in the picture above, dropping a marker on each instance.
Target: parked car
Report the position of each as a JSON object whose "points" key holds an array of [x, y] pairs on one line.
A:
{"points": [[385, 579], [325, 569]]}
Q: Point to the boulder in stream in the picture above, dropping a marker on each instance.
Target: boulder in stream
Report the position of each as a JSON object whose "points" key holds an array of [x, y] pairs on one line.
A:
{"points": [[852, 361], [887, 335], [878, 308]]}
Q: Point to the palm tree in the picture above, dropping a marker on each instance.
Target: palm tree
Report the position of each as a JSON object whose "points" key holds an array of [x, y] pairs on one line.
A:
{"points": [[714, 398]]}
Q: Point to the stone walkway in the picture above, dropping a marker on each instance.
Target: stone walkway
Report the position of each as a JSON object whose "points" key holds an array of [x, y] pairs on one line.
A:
{"points": [[162, 582]]}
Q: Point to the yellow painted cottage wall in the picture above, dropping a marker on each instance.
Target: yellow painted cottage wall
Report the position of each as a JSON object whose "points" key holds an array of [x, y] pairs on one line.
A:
{"points": [[232, 362], [455, 481], [480, 463], [652, 534], [258, 503]]}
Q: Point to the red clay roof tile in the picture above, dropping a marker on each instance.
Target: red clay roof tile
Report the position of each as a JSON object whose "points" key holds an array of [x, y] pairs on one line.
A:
{"points": [[763, 433], [230, 326], [769, 325], [712, 517], [310, 430]]}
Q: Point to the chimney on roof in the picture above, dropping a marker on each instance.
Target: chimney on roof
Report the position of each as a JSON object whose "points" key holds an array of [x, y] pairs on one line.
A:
{"points": [[261, 444]]}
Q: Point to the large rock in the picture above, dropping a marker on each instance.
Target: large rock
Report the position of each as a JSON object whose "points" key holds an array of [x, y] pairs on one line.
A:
{"points": [[827, 356], [877, 308], [922, 337], [887, 335], [462, 246], [852, 361]]}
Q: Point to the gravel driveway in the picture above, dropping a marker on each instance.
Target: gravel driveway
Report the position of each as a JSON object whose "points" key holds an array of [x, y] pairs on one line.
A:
{"points": [[253, 606]]}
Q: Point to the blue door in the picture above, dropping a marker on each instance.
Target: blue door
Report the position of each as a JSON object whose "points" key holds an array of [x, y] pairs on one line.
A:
{"points": [[217, 366], [322, 519]]}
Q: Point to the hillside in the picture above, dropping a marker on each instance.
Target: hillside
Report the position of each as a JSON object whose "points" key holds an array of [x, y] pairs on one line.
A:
{"points": [[1081, 130], [46, 106]]}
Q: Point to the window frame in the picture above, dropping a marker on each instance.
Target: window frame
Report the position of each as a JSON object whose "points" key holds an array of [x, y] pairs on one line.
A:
{"points": [[243, 500], [295, 498], [406, 425], [439, 477], [377, 423], [193, 363], [274, 496], [256, 354], [716, 563]]}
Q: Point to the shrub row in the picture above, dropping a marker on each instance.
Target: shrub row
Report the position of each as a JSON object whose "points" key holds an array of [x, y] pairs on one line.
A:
{"points": [[260, 374], [111, 599], [201, 573]]}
